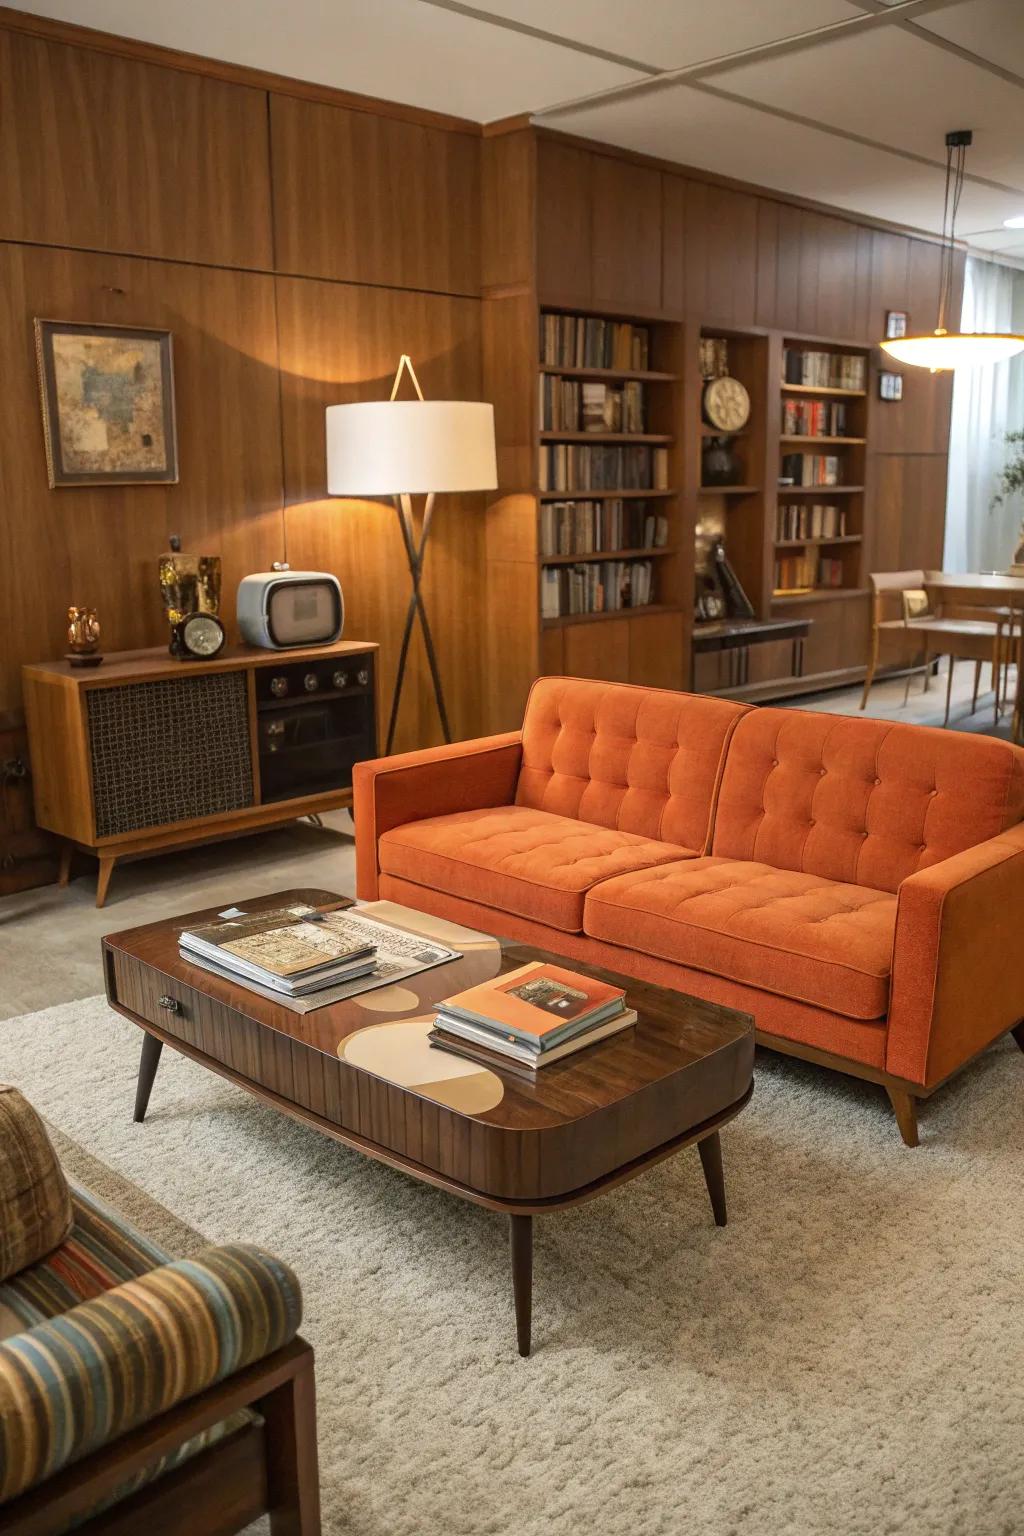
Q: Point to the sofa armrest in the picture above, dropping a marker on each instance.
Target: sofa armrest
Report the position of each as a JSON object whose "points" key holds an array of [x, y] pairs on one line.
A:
{"points": [[438, 781], [110, 1364], [956, 978]]}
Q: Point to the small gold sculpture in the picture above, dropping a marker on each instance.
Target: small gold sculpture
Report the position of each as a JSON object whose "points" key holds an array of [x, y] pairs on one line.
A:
{"points": [[83, 637], [188, 583]]}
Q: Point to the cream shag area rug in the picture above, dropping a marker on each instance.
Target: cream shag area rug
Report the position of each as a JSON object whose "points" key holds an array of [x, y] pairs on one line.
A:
{"points": [[846, 1357]]}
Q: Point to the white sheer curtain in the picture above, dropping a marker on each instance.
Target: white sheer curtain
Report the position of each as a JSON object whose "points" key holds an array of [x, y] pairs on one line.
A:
{"points": [[987, 403]]}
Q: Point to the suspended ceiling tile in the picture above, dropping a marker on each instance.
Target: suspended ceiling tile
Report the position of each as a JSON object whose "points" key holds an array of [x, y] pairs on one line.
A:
{"points": [[693, 126], [398, 49], [670, 33], [993, 29], [892, 86]]}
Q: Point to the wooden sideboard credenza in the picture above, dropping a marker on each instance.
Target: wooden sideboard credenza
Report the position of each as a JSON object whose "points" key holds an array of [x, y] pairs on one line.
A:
{"points": [[145, 753]]}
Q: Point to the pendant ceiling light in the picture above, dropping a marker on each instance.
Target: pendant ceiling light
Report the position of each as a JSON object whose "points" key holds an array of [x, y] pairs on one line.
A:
{"points": [[953, 349]]}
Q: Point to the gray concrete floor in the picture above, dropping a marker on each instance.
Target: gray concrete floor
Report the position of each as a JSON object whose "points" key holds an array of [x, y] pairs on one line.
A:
{"points": [[49, 938]]}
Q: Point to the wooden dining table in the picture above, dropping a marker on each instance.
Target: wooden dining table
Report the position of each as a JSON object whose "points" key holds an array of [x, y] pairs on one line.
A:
{"points": [[1002, 590]]}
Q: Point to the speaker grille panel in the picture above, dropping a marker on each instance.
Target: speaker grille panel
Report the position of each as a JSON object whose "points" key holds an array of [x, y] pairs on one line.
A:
{"points": [[169, 751]]}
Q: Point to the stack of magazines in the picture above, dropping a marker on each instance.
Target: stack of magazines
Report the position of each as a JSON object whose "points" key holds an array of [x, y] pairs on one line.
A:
{"points": [[296, 952], [535, 1015]]}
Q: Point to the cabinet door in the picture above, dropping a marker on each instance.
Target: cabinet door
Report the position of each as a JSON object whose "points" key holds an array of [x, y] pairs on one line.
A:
{"points": [[627, 255], [563, 223]]}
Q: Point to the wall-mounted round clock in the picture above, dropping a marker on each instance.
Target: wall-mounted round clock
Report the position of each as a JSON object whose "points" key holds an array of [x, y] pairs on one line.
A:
{"points": [[199, 637], [726, 404]]}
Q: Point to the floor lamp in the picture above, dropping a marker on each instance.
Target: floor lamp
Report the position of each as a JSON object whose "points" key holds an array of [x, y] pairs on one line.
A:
{"points": [[404, 448]]}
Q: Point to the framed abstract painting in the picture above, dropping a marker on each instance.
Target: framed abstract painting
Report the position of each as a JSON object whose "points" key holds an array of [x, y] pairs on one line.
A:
{"points": [[108, 404]]}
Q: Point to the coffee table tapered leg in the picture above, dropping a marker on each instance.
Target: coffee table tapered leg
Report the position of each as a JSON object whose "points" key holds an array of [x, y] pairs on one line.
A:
{"points": [[710, 1150], [521, 1236], [151, 1048]]}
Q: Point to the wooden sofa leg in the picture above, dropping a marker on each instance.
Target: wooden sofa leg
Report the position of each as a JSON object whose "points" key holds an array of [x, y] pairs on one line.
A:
{"points": [[905, 1109], [1018, 1033], [293, 1477]]}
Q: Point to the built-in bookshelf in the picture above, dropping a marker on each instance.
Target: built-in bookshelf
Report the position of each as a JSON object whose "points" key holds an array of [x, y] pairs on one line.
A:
{"points": [[818, 504], [608, 512]]}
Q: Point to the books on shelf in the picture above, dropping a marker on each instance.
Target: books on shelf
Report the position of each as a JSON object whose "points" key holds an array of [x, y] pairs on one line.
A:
{"points": [[567, 405], [811, 469], [588, 341], [601, 586], [810, 520], [823, 370], [587, 527], [602, 466], [535, 1015], [814, 418], [801, 573]]}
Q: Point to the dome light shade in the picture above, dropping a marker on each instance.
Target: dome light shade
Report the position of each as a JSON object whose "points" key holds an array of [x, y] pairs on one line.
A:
{"points": [[954, 349]]}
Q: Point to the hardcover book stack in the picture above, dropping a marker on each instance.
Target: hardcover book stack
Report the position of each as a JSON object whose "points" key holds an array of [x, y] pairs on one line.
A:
{"points": [[802, 573], [604, 586], [813, 418], [586, 341], [566, 405], [533, 1017], [823, 370], [608, 466], [810, 520], [810, 468], [587, 527]]}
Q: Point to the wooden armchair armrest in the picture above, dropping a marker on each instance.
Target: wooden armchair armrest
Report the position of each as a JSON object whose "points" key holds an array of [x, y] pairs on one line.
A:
{"points": [[956, 977], [438, 781], [76, 1383]]}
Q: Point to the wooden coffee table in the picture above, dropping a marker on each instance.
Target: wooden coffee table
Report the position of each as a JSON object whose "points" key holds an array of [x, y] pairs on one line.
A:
{"points": [[363, 1072]]}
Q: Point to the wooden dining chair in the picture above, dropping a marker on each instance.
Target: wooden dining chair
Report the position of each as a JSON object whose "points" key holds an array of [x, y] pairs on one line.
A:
{"points": [[904, 618]]}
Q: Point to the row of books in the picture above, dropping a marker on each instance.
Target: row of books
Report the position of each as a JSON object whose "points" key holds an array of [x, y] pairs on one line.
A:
{"points": [[587, 341], [602, 586], [533, 1016], [823, 370], [587, 527], [567, 405], [604, 466], [800, 572], [810, 520], [810, 469], [813, 418]]}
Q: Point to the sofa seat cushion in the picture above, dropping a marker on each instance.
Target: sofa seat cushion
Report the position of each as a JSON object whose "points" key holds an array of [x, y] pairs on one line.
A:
{"points": [[517, 859], [797, 935]]}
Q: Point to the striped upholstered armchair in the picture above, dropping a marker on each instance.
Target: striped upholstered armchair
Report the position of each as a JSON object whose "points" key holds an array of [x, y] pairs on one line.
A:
{"points": [[137, 1392]]}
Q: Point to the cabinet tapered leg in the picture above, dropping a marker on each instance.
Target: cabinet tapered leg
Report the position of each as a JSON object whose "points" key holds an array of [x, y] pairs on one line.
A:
{"points": [[67, 853], [103, 878], [151, 1048], [710, 1150], [521, 1237]]}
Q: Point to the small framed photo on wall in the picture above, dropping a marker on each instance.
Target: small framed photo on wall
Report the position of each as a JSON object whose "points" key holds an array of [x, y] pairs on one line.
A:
{"points": [[895, 324], [890, 386], [108, 404]]}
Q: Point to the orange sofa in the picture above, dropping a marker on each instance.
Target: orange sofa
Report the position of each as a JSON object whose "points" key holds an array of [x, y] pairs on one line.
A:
{"points": [[857, 886]]}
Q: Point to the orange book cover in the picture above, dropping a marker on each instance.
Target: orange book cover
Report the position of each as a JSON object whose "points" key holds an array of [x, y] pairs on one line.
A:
{"points": [[538, 1002]]}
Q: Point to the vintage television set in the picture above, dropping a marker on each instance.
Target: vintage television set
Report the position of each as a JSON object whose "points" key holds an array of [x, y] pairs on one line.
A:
{"points": [[282, 609]]}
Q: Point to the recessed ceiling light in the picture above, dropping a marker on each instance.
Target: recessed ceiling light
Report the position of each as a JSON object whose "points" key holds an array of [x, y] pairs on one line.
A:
{"points": [[1017, 222]]}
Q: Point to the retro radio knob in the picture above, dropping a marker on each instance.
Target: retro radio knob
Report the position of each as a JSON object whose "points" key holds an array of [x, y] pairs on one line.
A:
{"points": [[340, 680], [362, 677], [311, 682], [279, 687]]}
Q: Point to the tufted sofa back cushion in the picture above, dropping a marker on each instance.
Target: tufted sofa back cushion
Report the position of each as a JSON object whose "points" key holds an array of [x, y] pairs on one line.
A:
{"points": [[638, 759], [862, 801]]}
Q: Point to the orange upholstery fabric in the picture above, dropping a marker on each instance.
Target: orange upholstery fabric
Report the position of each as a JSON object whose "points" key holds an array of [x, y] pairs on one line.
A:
{"points": [[956, 979], [391, 791], [856, 1039], [513, 859], [637, 759], [827, 944], [861, 801]]}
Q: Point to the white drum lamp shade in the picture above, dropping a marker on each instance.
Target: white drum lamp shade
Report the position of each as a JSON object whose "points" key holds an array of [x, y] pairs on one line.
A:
{"points": [[399, 447]]}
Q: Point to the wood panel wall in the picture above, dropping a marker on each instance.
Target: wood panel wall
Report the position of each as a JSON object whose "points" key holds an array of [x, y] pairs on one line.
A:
{"points": [[294, 246]]}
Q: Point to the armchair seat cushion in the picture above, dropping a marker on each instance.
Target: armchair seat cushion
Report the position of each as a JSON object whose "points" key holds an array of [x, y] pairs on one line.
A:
{"points": [[797, 935], [517, 859]]}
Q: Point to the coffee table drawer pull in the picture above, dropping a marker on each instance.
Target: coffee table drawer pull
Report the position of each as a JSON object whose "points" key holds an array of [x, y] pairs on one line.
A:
{"points": [[171, 1004]]}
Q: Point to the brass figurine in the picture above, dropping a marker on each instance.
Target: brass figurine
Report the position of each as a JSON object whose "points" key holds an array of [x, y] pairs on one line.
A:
{"points": [[83, 637], [188, 584]]}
